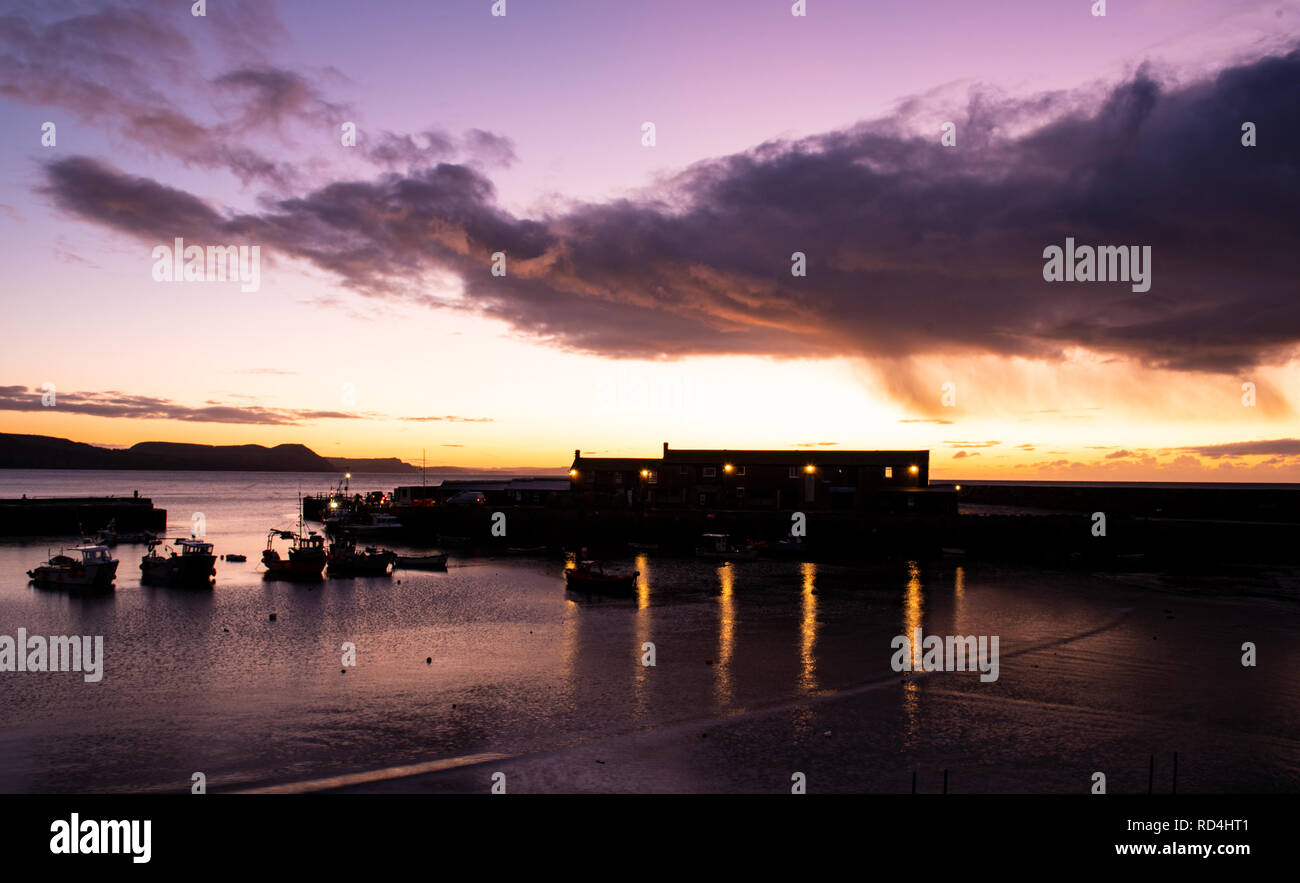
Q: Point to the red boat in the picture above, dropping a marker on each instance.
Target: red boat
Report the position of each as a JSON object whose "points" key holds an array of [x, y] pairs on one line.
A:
{"points": [[306, 559], [590, 576]]}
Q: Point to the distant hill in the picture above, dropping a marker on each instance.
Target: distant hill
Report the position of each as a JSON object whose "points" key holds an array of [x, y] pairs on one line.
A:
{"points": [[370, 464], [46, 452]]}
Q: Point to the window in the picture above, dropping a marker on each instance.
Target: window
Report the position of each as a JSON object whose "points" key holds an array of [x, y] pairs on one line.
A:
{"points": [[701, 499], [618, 478], [889, 472], [684, 471], [740, 470], [740, 493], [710, 472], [794, 471], [652, 477]]}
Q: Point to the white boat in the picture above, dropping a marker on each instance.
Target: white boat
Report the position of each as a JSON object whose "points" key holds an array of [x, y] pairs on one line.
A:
{"points": [[95, 567], [379, 521]]}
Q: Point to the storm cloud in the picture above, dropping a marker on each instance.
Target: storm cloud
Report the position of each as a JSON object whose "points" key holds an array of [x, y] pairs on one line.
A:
{"points": [[912, 248]]}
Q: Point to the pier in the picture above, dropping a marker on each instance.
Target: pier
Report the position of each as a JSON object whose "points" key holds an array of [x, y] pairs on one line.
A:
{"points": [[77, 516]]}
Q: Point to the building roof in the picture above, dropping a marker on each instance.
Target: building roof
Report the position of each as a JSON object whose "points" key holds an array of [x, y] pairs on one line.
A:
{"points": [[781, 458]]}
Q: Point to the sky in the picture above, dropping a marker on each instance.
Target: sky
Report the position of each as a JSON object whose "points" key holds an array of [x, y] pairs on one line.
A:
{"points": [[922, 157]]}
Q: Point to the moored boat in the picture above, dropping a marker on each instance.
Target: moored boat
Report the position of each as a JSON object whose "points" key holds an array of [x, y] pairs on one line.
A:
{"points": [[94, 568], [719, 545], [377, 522], [345, 559], [592, 576], [422, 562], [306, 558], [193, 565]]}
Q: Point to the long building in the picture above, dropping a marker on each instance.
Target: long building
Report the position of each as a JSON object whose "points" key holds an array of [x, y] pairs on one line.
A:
{"points": [[727, 479]]}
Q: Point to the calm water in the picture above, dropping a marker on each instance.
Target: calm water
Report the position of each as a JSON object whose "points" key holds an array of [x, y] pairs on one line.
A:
{"points": [[496, 656]]}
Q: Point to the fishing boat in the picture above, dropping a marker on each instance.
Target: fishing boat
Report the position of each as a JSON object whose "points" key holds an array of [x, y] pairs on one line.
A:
{"points": [[591, 576], [231, 556], [306, 558], [94, 567], [719, 545], [193, 565], [345, 559], [422, 562], [377, 522]]}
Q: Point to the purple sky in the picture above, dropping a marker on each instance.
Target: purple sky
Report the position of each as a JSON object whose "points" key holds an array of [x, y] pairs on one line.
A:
{"points": [[649, 290]]}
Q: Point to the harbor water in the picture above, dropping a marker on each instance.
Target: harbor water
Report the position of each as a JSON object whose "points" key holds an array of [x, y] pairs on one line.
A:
{"points": [[760, 669]]}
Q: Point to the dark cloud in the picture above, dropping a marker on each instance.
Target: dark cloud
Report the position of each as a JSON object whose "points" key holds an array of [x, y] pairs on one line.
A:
{"points": [[1287, 447], [113, 403], [913, 249]]}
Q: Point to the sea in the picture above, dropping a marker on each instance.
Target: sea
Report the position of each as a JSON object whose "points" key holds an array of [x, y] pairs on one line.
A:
{"points": [[713, 677]]}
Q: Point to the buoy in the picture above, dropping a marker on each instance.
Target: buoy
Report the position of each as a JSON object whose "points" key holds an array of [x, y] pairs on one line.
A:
{"points": [[272, 617], [429, 661], [343, 671], [708, 662]]}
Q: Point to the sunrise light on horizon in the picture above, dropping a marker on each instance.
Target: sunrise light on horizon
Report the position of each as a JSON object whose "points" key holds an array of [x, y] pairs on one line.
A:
{"points": [[647, 292]]}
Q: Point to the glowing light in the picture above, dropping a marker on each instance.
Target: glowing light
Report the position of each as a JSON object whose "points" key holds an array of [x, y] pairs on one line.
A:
{"points": [[958, 487], [728, 468], [334, 504], [810, 468], [645, 473], [914, 469], [573, 473]]}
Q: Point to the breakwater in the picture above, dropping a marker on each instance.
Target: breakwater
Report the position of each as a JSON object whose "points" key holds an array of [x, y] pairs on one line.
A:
{"points": [[77, 516]]}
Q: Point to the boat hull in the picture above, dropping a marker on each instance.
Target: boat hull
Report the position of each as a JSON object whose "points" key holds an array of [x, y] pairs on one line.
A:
{"points": [[75, 576], [425, 562]]}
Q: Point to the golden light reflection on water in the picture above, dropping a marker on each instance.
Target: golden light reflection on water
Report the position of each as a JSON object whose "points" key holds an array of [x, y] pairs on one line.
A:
{"points": [[726, 635], [643, 630], [913, 614], [808, 629], [959, 600]]}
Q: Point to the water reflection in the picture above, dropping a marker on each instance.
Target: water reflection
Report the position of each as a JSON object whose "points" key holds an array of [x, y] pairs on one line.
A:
{"points": [[913, 614], [643, 631], [726, 634], [808, 629], [959, 600]]}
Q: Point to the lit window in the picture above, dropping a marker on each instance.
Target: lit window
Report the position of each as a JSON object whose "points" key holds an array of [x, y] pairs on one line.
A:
{"points": [[889, 472], [652, 477]]}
